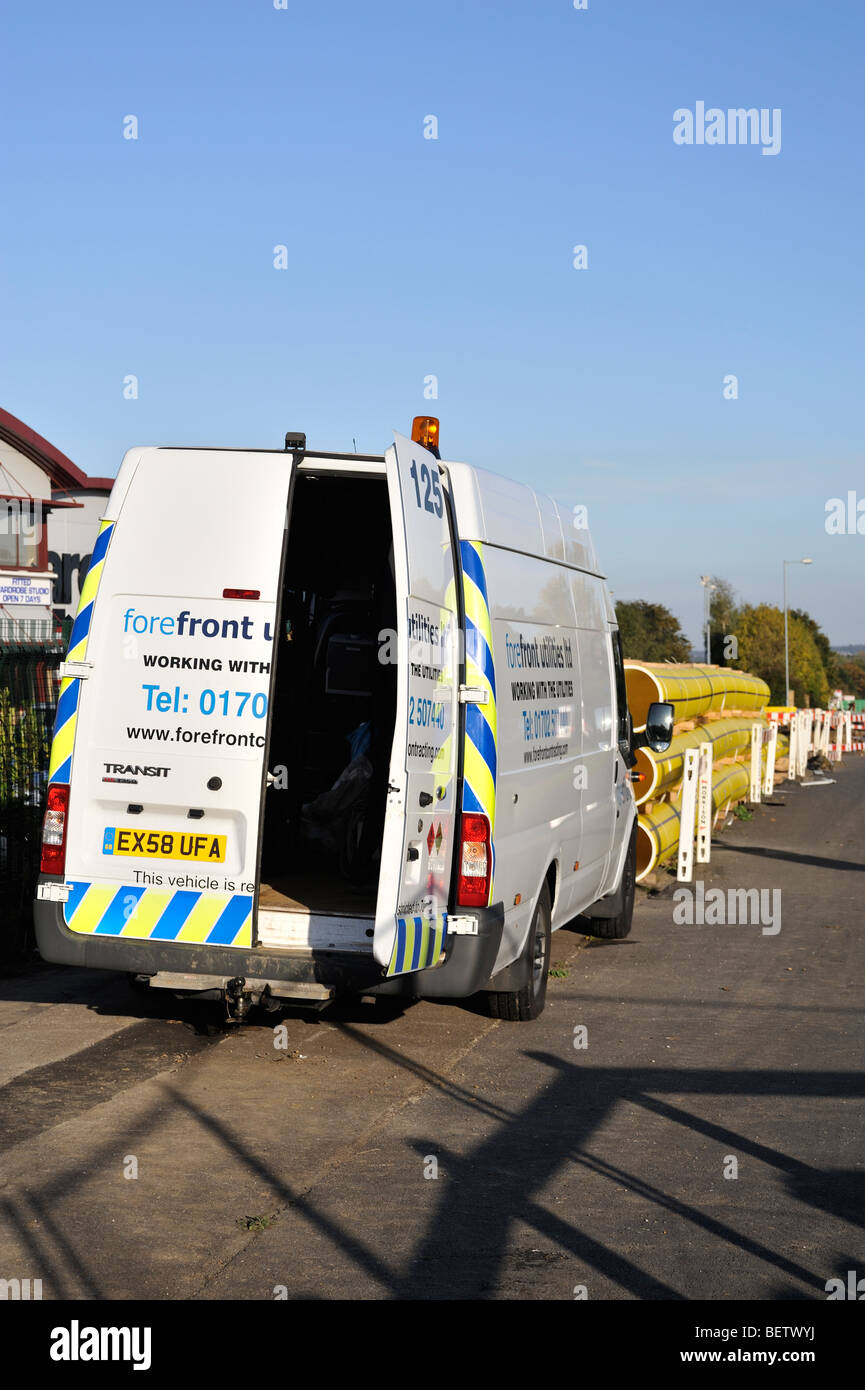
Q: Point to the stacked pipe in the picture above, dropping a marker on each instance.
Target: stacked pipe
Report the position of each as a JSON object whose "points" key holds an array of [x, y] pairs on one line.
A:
{"points": [[700, 695], [692, 689]]}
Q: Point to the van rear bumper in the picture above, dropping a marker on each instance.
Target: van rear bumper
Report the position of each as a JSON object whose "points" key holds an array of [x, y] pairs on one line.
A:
{"points": [[469, 963], [467, 967]]}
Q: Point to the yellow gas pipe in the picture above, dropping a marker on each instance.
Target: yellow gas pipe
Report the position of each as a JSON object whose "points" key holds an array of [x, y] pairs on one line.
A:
{"points": [[692, 690]]}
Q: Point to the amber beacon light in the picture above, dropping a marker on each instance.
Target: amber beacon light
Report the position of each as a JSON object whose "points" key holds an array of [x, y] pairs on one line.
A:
{"points": [[425, 431]]}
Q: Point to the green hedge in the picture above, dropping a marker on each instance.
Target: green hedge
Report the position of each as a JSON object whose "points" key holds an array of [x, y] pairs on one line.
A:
{"points": [[28, 702]]}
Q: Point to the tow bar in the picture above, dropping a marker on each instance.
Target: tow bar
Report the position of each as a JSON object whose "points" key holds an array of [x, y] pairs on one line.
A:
{"points": [[237, 1000]]}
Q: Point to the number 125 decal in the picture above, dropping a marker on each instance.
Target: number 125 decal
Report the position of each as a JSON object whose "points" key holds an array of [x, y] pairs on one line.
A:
{"points": [[432, 499]]}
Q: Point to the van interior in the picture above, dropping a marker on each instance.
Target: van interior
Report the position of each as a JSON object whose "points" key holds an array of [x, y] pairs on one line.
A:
{"points": [[334, 701]]}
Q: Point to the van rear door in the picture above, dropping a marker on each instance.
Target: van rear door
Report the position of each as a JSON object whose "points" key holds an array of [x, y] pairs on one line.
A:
{"points": [[171, 704], [420, 822]]}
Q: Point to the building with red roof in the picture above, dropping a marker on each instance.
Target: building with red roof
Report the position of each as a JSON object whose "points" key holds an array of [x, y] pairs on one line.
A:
{"points": [[49, 520]]}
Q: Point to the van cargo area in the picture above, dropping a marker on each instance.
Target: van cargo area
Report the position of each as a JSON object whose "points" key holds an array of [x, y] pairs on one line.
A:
{"points": [[334, 701]]}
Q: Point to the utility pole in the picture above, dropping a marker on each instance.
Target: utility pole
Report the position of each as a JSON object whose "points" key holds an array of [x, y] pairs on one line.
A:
{"points": [[786, 629], [708, 586]]}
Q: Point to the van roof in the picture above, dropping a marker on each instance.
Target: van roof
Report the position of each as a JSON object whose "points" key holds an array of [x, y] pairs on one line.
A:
{"points": [[491, 508], [254, 449], [509, 514]]}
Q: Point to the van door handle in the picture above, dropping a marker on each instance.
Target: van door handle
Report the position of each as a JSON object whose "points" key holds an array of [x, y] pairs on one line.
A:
{"points": [[412, 854], [425, 799]]}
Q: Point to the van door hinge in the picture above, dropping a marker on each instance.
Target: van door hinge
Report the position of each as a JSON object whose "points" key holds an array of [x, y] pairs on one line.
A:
{"points": [[77, 670], [462, 926], [53, 892], [474, 695]]}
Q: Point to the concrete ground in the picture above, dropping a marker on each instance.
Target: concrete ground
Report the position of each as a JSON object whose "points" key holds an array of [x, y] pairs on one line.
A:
{"points": [[705, 1143]]}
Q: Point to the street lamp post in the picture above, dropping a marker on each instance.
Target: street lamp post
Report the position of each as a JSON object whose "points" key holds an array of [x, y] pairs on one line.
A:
{"points": [[786, 629], [708, 586]]}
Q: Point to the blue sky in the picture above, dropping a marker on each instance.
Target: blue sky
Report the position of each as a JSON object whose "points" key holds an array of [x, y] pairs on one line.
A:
{"points": [[409, 257]]}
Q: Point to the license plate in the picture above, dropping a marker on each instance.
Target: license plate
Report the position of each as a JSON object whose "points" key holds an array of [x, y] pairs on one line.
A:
{"points": [[164, 844]]}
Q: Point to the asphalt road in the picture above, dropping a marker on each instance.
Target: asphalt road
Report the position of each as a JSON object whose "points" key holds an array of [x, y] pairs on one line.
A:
{"points": [[147, 1152]]}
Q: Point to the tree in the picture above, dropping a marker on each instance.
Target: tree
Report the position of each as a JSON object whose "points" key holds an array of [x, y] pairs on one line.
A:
{"points": [[760, 634], [851, 675], [650, 632], [827, 656], [723, 616], [23, 750]]}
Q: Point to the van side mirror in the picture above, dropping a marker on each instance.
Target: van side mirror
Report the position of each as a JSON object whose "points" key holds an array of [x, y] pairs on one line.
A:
{"points": [[659, 728]]}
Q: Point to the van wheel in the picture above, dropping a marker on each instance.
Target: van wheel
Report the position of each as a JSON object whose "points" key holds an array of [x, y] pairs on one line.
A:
{"points": [[615, 928], [520, 1005]]}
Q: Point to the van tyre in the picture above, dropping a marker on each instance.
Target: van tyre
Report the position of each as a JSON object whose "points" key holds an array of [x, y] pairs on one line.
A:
{"points": [[616, 928], [520, 1005]]}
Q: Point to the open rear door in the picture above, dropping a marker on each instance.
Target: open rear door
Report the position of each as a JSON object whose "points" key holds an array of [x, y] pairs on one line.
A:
{"points": [[164, 709], [420, 824]]}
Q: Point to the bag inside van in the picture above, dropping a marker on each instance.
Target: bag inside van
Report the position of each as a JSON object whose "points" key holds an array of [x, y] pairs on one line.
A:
{"points": [[334, 702]]}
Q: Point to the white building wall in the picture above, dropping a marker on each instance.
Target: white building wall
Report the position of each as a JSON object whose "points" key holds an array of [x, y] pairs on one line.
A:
{"points": [[72, 535], [19, 476], [19, 618]]}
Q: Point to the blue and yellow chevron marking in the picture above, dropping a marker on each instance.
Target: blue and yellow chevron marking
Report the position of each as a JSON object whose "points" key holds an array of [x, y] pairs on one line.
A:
{"points": [[479, 756], [417, 944], [60, 766], [442, 763], [157, 914]]}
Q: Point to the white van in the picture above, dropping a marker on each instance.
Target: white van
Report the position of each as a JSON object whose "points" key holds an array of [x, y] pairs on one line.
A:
{"points": [[336, 723]]}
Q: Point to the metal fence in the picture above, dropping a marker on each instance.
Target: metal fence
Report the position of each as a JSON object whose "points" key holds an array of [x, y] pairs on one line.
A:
{"points": [[27, 630], [29, 685]]}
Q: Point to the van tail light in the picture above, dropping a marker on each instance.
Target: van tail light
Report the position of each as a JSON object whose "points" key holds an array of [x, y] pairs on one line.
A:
{"points": [[475, 861], [53, 859]]}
